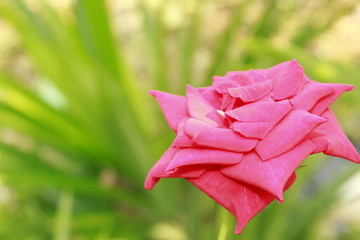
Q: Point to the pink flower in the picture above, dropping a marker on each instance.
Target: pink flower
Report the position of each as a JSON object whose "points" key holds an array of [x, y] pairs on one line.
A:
{"points": [[241, 139]]}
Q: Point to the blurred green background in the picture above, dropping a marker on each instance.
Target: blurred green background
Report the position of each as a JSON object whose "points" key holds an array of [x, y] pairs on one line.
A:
{"points": [[79, 132]]}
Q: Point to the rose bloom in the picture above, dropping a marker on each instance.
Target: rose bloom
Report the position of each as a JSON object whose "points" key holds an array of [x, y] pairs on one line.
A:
{"points": [[241, 139]]}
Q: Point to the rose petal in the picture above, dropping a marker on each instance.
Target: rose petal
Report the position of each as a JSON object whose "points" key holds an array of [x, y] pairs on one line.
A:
{"points": [[244, 78], [193, 156], [172, 106], [242, 200], [279, 111], [199, 108], [159, 170], [331, 139], [220, 138], [253, 92], [182, 140], [259, 111], [287, 78], [326, 101], [228, 102], [260, 129], [221, 84], [288, 133], [272, 72], [270, 175], [257, 76], [211, 96], [310, 95], [251, 129], [241, 78]]}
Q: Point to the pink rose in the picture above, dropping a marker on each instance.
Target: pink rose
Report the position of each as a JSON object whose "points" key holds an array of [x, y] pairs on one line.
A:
{"points": [[241, 139]]}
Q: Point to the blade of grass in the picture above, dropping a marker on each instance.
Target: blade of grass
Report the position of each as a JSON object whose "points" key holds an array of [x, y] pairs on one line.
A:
{"points": [[18, 166], [155, 42], [62, 225], [222, 47]]}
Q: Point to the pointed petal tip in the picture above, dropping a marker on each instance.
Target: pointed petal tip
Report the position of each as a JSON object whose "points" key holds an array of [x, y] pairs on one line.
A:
{"points": [[189, 87], [280, 199], [356, 159], [152, 93], [294, 61], [150, 182], [346, 87], [157, 93], [148, 187], [239, 227], [279, 193], [190, 90]]}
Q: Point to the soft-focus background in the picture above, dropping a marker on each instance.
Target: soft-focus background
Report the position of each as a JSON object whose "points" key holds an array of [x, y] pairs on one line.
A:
{"points": [[78, 130]]}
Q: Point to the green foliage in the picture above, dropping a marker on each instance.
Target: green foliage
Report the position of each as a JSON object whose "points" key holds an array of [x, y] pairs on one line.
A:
{"points": [[74, 161]]}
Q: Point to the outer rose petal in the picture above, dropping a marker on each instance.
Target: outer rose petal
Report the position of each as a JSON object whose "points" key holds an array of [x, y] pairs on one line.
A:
{"points": [[331, 139], [159, 170], [326, 101], [310, 95], [287, 78], [173, 107], [193, 156], [219, 138], [288, 133], [272, 72], [200, 109], [183, 140], [242, 200], [270, 175]]}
